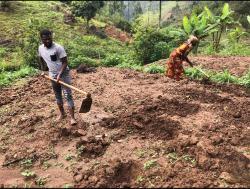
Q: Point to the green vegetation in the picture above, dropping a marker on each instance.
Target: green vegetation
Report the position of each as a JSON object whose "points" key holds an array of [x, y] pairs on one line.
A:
{"points": [[86, 9], [28, 174], [220, 77], [20, 26], [7, 77], [149, 164]]}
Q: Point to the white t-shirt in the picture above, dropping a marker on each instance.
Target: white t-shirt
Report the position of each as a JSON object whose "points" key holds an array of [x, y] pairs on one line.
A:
{"points": [[52, 57]]}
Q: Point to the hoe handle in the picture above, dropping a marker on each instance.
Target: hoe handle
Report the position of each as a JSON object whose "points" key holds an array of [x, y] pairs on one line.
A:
{"points": [[65, 84]]}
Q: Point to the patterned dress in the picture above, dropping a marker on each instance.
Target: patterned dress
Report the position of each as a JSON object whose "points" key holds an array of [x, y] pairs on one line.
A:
{"points": [[174, 64]]}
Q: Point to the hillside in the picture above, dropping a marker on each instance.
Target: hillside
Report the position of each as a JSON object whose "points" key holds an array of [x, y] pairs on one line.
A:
{"points": [[143, 130]]}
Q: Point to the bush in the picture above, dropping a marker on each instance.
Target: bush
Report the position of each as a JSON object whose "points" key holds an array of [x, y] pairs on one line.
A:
{"points": [[112, 60], [7, 77], [154, 69], [245, 80], [76, 61], [5, 5], [149, 45], [123, 25]]}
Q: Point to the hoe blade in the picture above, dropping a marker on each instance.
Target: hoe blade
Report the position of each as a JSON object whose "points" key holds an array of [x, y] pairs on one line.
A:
{"points": [[86, 104]]}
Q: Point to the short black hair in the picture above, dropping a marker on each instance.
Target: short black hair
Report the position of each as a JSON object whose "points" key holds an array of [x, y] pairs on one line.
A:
{"points": [[45, 32]]}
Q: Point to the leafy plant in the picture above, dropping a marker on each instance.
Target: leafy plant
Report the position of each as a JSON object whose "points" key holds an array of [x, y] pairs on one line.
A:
{"points": [[224, 77], [7, 77], [198, 26], [149, 164], [235, 34], [195, 72], [28, 174], [68, 157], [140, 179], [154, 69], [221, 22], [27, 162], [41, 181], [112, 60], [245, 80]]}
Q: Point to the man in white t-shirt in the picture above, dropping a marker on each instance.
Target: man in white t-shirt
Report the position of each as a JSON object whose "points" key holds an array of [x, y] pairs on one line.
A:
{"points": [[55, 57]]}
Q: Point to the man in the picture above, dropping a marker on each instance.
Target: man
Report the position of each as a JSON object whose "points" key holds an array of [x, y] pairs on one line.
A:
{"points": [[174, 64], [55, 57]]}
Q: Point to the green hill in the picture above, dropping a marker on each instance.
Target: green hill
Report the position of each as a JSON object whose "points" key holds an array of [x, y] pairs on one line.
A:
{"points": [[19, 36]]}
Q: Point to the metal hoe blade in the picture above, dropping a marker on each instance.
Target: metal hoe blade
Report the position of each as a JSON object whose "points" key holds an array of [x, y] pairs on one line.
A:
{"points": [[86, 104]]}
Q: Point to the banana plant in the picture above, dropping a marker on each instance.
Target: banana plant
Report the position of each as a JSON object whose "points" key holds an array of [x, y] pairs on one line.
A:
{"points": [[197, 25], [221, 22], [235, 34]]}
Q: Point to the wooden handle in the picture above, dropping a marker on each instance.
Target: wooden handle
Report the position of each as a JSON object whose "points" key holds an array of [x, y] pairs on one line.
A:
{"points": [[66, 85]]}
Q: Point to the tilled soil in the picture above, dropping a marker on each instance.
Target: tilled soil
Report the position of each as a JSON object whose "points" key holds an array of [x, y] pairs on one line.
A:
{"points": [[144, 130], [236, 65]]}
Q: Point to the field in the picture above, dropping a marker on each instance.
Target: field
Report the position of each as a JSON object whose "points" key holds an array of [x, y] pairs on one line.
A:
{"points": [[144, 130]]}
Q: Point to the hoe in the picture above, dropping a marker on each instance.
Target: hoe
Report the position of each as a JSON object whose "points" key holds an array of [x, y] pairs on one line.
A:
{"points": [[86, 102]]}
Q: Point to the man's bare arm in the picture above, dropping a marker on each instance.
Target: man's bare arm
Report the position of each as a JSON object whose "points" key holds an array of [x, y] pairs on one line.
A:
{"points": [[43, 64], [64, 61]]}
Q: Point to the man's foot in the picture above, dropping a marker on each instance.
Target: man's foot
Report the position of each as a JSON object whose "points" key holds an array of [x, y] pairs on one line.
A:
{"points": [[61, 117], [73, 121]]}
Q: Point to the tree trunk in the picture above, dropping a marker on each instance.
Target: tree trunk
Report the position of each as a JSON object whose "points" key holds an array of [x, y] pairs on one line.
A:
{"points": [[148, 14], [160, 14], [222, 28], [87, 26], [196, 48], [128, 11], [213, 42]]}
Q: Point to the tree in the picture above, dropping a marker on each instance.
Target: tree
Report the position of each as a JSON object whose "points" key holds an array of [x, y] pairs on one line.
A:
{"points": [[137, 9], [115, 6], [86, 9]]}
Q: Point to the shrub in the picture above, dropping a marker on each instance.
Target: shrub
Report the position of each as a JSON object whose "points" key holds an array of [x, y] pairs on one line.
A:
{"points": [[32, 40], [224, 77], [7, 77], [245, 80], [112, 60], [76, 61], [154, 69], [149, 45]]}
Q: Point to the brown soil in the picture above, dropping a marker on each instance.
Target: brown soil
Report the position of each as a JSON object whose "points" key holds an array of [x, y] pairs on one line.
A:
{"points": [[116, 33], [144, 130], [236, 65]]}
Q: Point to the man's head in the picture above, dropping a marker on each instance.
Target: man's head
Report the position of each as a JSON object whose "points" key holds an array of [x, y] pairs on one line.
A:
{"points": [[193, 40], [46, 37]]}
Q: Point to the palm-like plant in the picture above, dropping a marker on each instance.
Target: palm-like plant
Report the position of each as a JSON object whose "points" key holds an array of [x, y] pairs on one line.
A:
{"points": [[235, 34], [221, 23], [198, 25]]}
